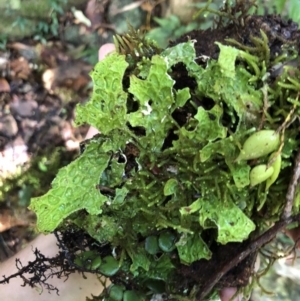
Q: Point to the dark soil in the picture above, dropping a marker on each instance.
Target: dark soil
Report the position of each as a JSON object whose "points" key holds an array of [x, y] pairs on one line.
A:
{"points": [[278, 31]]}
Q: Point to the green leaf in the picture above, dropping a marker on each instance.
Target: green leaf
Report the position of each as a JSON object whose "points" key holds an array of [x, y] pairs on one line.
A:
{"points": [[120, 196], [170, 187], [240, 173], [192, 248], [225, 147], [183, 52], [209, 127], [139, 258], [227, 59], [161, 268], [224, 86], [294, 11], [155, 97], [232, 224], [73, 189], [169, 28], [194, 207], [133, 296], [109, 266], [151, 245], [102, 228], [171, 22], [279, 4], [182, 96], [107, 108]]}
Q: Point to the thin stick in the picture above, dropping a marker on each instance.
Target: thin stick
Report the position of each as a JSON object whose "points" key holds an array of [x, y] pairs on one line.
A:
{"points": [[290, 196]]}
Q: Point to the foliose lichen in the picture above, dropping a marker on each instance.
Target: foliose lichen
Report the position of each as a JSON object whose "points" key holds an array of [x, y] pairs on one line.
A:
{"points": [[171, 165]]}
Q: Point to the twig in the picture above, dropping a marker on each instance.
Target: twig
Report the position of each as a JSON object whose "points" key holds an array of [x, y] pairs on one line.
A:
{"points": [[290, 196]]}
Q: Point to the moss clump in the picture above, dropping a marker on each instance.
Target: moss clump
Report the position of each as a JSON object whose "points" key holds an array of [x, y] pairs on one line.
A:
{"points": [[164, 188]]}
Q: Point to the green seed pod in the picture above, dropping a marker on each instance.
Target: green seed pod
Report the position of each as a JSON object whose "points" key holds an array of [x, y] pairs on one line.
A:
{"points": [[115, 292], [277, 166], [132, 296], [259, 144], [151, 245], [260, 173], [109, 266], [166, 241]]}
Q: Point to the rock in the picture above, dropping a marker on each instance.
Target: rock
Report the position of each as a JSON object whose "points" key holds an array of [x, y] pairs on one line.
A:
{"points": [[8, 126], [22, 108]]}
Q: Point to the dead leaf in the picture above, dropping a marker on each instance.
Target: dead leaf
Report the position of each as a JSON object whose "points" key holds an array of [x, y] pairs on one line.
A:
{"points": [[4, 85], [19, 68], [72, 75]]}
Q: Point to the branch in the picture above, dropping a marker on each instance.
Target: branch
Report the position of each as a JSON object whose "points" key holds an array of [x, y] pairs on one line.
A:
{"points": [[290, 196]]}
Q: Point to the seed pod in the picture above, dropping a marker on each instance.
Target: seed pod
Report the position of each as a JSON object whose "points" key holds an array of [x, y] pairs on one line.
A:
{"points": [[151, 245], [109, 266], [260, 173], [259, 144], [166, 241], [277, 166]]}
